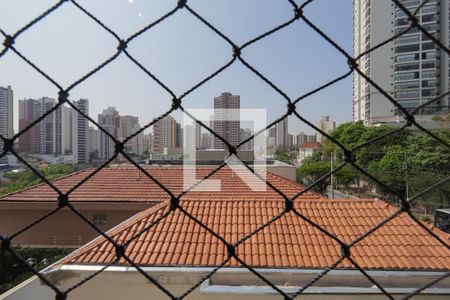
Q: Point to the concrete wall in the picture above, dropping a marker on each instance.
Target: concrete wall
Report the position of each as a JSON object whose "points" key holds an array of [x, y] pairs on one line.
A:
{"points": [[63, 228], [118, 285]]}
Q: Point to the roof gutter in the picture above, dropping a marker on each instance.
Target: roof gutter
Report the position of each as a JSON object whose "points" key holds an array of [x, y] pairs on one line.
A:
{"points": [[233, 270]]}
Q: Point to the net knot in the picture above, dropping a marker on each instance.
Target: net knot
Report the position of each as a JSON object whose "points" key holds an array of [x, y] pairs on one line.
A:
{"points": [[232, 150], [61, 296], [345, 250], [231, 250], [291, 108], [5, 243], [414, 21], [352, 63], [405, 206], [298, 13], [122, 45], [120, 251], [119, 147], [288, 205], [63, 96], [8, 42], [236, 51], [348, 156], [63, 200], [174, 203], [176, 103], [8, 144], [181, 3], [409, 120]]}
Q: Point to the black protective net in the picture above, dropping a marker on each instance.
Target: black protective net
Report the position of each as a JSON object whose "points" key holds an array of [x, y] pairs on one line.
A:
{"points": [[177, 104]]}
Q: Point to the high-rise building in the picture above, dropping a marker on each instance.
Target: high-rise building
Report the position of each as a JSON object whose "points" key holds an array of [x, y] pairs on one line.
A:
{"points": [[109, 120], [412, 69], [6, 113], [128, 126], [47, 126], [148, 143], [166, 134], [246, 133], [29, 140], [326, 125], [281, 134], [206, 141], [66, 130], [94, 141], [226, 107], [80, 133]]}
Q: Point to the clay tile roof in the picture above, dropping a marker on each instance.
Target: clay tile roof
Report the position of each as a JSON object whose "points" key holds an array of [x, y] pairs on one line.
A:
{"points": [[314, 145], [289, 242], [129, 184]]}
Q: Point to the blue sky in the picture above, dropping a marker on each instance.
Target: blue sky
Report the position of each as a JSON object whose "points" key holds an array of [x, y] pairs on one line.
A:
{"points": [[182, 51]]}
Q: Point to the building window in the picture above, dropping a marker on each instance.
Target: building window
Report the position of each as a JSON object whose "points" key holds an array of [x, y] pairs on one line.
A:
{"points": [[408, 67], [407, 48], [407, 57], [407, 76], [99, 219], [406, 85]]}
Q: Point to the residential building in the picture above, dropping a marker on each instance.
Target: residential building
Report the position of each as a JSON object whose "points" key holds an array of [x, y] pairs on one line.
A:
{"points": [[29, 111], [326, 125], [109, 120], [109, 197], [166, 134], [67, 130], [148, 143], [271, 139], [246, 133], [226, 119], [47, 126], [411, 69], [128, 126], [80, 133], [6, 113], [304, 138], [94, 143], [306, 150], [281, 134], [206, 141]]}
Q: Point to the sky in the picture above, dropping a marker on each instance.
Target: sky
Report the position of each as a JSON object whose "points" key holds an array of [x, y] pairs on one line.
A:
{"points": [[181, 51]]}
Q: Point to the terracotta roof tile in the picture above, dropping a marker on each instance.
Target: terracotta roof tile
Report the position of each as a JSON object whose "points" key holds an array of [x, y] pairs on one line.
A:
{"points": [[129, 184], [289, 242]]}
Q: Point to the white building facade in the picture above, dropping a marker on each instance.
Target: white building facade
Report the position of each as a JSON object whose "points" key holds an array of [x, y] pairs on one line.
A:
{"points": [[412, 69]]}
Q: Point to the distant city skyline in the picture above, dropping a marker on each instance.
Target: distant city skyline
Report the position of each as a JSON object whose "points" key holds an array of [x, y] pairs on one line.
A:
{"points": [[294, 67], [67, 133]]}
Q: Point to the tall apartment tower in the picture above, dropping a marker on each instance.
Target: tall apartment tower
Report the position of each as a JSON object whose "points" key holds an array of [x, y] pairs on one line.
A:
{"points": [[281, 134], [412, 69], [80, 133], [46, 126], [326, 125], [29, 141], [6, 113], [226, 107], [166, 134], [128, 126], [109, 120]]}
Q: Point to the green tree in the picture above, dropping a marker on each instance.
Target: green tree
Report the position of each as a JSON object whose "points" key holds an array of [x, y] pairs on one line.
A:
{"points": [[21, 180]]}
